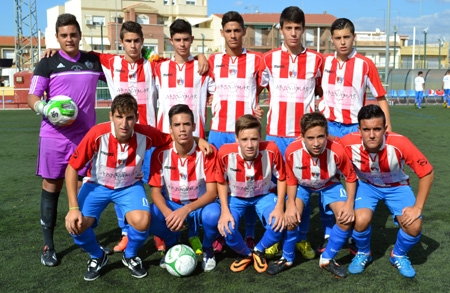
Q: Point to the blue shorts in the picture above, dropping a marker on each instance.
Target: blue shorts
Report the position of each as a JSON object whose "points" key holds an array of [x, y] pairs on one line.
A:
{"points": [[218, 138], [281, 142], [395, 198], [93, 199], [53, 156], [328, 195], [146, 165], [263, 205], [340, 129], [447, 92]]}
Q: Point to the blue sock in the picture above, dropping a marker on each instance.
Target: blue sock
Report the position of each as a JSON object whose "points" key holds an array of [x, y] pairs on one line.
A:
{"points": [[362, 239], [304, 224], [88, 242], [405, 242], [327, 220], [289, 238], [250, 222], [269, 238], [135, 241], [335, 242]]}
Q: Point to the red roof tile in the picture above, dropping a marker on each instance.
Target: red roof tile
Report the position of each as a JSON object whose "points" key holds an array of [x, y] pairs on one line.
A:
{"points": [[265, 18], [9, 41]]}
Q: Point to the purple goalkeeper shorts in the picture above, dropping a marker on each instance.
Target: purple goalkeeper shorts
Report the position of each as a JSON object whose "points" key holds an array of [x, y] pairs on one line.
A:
{"points": [[53, 156]]}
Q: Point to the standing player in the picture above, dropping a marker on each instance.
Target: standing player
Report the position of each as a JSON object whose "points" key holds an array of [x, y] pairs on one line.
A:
{"points": [[346, 76], [313, 165], [379, 158], [187, 178], [71, 73], [178, 81], [235, 73], [419, 86], [446, 88], [116, 150], [292, 74], [246, 169]]}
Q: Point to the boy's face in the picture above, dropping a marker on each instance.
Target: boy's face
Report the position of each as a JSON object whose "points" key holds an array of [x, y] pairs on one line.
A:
{"points": [[181, 129], [372, 133], [292, 33], [132, 44], [343, 41], [248, 140], [233, 33], [315, 140], [123, 124], [181, 43], [69, 38]]}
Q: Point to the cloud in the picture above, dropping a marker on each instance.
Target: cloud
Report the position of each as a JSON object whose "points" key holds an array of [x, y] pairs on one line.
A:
{"points": [[238, 3]]}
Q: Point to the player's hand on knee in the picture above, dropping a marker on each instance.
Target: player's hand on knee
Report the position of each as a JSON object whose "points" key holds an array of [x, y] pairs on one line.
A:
{"points": [[74, 221], [226, 221]]}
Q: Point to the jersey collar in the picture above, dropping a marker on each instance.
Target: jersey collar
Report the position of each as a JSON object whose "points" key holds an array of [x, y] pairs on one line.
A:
{"points": [[190, 58], [285, 49]]}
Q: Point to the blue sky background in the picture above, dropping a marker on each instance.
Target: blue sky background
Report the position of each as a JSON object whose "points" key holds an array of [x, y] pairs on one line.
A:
{"points": [[367, 14]]}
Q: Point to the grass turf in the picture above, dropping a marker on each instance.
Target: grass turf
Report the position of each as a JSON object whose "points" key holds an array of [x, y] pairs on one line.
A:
{"points": [[21, 240]]}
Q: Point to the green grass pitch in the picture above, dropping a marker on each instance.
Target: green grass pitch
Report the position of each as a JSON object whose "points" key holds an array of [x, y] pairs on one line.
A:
{"points": [[21, 240]]}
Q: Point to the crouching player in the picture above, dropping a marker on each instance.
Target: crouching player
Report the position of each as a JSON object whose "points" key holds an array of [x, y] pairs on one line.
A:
{"points": [[186, 177], [116, 151], [246, 169], [379, 158], [313, 165]]}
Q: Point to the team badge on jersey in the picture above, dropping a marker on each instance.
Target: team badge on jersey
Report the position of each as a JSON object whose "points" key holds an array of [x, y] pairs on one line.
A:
{"points": [[339, 79], [293, 74], [76, 68], [232, 71], [180, 81], [89, 64]]}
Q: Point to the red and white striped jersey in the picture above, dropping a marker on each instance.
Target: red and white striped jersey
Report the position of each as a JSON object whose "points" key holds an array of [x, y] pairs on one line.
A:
{"points": [[182, 84], [114, 164], [236, 81], [183, 179], [344, 87], [292, 80], [247, 179], [134, 78], [320, 172], [385, 168]]}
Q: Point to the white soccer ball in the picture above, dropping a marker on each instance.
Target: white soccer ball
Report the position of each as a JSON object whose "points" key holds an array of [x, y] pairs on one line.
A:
{"points": [[61, 111], [180, 260]]}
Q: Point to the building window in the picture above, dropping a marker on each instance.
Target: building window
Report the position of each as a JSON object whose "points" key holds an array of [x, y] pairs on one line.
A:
{"points": [[8, 54], [143, 19], [190, 2], [98, 20], [166, 2], [309, 38]]}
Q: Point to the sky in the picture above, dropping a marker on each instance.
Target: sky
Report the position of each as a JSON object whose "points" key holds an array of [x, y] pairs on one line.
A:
{"points": [[367, 15]]}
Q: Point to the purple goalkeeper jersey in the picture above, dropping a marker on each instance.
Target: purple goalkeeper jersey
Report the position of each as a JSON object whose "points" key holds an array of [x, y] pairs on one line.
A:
{"points": [[74, 77]]}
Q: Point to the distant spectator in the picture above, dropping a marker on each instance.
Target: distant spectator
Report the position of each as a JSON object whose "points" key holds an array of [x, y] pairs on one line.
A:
{"points": [[446, 88], [419, 84]]}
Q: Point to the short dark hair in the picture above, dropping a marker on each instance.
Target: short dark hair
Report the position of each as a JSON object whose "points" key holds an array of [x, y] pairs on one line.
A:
{"points": [[420, 72], [371, 111], [247, 121], [342, 23], [123, 104], [232, 16], [66, 19], [313, 119], [131, 27], [180, 109], [292, 14], [180, 26]]}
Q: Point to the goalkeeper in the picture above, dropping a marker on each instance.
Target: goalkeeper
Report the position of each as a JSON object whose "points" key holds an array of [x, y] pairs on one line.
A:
{"points": [[74, 74]]}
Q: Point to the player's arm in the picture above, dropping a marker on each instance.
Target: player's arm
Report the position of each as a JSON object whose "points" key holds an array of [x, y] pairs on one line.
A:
{"points": [[74, 218], [226, 218], [347, 213], [410, 214], [36, 104], [293, 213], [276, 217], [382, 102], [203, 66], [206, 148]]}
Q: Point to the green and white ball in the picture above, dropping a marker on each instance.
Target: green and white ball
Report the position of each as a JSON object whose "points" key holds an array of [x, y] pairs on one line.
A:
{"points": [[61, 111], [180, 260]]}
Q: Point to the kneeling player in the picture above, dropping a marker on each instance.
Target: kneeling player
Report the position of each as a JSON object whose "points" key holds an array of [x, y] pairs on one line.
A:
{"points": [[116, 150], [246, 168], [379, 158], [185, 176], [313, 165]]}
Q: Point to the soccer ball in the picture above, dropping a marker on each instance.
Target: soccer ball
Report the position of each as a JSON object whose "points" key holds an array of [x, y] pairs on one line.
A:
{"points": [[180, 260], [61, 111]]}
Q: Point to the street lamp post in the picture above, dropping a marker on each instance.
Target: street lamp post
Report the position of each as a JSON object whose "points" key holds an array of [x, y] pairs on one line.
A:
{"points": [[395, 43], [440, 44], [425, 31], [101, 34]]}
